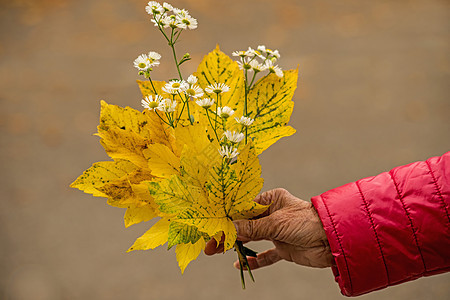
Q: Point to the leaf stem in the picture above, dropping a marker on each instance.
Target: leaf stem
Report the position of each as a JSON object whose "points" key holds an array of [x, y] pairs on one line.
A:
{"points": [[243, 262]]}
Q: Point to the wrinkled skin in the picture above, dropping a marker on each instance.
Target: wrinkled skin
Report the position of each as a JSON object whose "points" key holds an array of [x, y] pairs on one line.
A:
{"points": [[293, 226]]}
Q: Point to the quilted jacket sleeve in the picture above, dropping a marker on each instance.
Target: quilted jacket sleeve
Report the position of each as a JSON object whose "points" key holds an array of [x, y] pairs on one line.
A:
{"points": [[390, 228]]}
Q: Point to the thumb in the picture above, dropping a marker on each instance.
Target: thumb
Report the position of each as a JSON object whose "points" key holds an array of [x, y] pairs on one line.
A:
{"points": [[255, 230]]}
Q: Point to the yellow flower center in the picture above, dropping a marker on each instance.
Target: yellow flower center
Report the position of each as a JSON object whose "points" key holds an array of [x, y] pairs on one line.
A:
{"points": [[153, 104], [142, 65], [176, 85], [190, 92]]}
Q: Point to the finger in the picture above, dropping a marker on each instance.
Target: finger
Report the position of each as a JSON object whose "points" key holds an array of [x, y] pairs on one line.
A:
{"points": [[263, 259], [256, 230], [276, 198], [212, 247]]}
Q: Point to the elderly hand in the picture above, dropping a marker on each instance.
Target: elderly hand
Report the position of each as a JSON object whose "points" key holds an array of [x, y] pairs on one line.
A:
{"points": [[291, 224]]}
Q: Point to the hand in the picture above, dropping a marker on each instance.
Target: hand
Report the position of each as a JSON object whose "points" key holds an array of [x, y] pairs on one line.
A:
{"points": [[293, 226]]}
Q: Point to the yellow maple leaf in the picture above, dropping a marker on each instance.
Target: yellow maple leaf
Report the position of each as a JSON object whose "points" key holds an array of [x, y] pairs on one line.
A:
{"points": [[270, 104], [154, 237], [136, 214], [161, 160], [217, 67], [188, 252], [100, 174], [209, 193]]}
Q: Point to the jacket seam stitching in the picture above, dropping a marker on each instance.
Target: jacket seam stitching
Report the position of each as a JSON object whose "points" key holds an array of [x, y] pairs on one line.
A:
{"points": [[438, 190], [366, 206], [409, 218], [339, 242]]}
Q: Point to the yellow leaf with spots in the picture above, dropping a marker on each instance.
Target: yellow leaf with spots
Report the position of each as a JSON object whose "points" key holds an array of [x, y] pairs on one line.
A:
{"points": [[270, 104], [101, 174], [162, 161], [113, 116], [180, 233], [124, 145], [217, 67], [147, 89], [129, 190]]}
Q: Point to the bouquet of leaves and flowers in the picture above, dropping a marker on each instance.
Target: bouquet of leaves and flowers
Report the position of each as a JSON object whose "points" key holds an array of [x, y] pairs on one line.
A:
{"points": [[190, 158]]}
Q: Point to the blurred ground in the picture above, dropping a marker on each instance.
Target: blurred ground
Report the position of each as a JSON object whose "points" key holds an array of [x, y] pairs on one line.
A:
{"points": [[373, 94]]}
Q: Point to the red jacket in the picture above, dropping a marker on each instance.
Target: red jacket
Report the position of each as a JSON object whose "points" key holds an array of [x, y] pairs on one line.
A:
{"points": [[390, 228]]}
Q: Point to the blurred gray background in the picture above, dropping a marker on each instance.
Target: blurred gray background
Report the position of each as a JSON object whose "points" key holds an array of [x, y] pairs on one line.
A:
{"points": [[373, 94]]}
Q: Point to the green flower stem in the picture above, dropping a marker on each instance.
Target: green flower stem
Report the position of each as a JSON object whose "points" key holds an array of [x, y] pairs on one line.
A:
{"points": [[224, 124], [151, 82], [189, 112], [181, 113], [245, 103], [161, 29], [215, 118], [171, 44], [170, 118], [209, 119], [253, 80], [177, 36], [171, 125]]}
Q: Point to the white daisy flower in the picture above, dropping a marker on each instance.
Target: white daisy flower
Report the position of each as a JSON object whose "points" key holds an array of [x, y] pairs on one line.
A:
{"points": [[257, 66], [167, 7], [252, 52], [158, 22], [142, 63], [217, 88], [225, 112], [228, 152], [245, 121], [240, 53], [154, 57], [276, 54], [274, 69], [192, 79], [194, 91], [167, 105], [151, 102], [154, 8], [180, 12], [187, 20], [173, 22], [269, 52], [233, 136], [205, 102], [175, 86], [244, 64]]}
